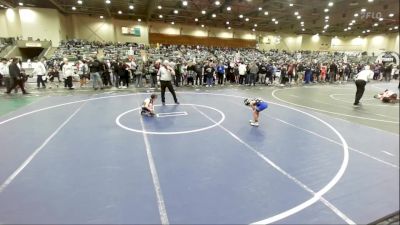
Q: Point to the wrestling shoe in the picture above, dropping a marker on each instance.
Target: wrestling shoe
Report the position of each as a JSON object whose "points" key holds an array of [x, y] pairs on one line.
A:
{"points": [[254, 124]]}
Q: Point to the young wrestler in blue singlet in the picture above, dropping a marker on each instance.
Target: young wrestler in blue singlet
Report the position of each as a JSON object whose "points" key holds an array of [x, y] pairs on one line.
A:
{"points": [[257, 105]]}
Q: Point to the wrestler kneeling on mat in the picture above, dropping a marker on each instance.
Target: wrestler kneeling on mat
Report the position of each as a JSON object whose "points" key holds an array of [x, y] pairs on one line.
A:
{"points": [[257, 105], [148, 106]]}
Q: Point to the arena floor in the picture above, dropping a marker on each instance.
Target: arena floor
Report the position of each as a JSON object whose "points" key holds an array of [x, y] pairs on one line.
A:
{"points": [[82, 156]]}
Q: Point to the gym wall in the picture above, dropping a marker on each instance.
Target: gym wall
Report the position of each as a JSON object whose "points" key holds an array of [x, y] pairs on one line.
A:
{"points": [[52, 25]]}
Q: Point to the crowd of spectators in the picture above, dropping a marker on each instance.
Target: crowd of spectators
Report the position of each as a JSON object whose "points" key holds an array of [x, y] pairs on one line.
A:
{"points": [[125, 64]]}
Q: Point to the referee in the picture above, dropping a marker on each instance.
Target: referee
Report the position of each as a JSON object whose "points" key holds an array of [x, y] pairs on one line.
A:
{"points": [[361, 80], [166, 72]]}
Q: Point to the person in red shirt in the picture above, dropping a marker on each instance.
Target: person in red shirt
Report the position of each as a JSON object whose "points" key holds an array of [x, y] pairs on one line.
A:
{"points": [[324, 69]]}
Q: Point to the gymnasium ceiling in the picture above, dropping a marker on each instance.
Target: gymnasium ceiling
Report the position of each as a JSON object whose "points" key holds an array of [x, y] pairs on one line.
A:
{"points": [[374, 16]]}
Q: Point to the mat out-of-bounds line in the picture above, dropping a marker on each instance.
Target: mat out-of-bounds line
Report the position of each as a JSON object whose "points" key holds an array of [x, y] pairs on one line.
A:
{"points": [[330, 140], [332, 96], [37, 150], [154, 175], [64, 104], [335, 142], [346, 107], [317, 196], [325, 111], [386, 86]]}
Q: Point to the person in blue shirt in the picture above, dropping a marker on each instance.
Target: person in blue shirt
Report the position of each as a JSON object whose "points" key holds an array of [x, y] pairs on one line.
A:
{"points": [[308, 74], [220, 73], [257, 105]]}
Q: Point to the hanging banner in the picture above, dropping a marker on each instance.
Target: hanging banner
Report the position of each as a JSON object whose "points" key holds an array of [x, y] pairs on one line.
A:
{"points": [[388, 57], [135, 31]]}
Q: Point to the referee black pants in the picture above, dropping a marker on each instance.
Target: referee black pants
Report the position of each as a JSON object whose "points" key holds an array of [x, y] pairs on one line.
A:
{"points": [[360, 84], [68, 82], [16, 82], [167, 84]]}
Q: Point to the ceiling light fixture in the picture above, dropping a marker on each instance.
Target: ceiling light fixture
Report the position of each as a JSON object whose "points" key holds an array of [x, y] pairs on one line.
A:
{"points": [[228, 8], [240, 16], [381, 19], [391, 15], [326, 10], [276, 22], [255, 25], [139, 20], [172, 23], [196, 19], [229, 28], [119, 12], [21, 3], [202, 25], [73, 8], [176, 11], [363, 10], [330, 4], [247, 19], [227, 22], [184, 3], [108, 1], [356, 15], [376, 24], [273, 19], [213, 15], [217, 3], [159, 7], [259, 9], [203, 12], [291, 4], [101, 17], [79, 2], [296, 13], [298, 17], [131, 7], [266, 13], [160, 16]]}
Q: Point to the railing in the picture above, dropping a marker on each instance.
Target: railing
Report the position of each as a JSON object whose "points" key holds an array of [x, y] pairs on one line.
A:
{"points": [[6, 50], [33, 44]]}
